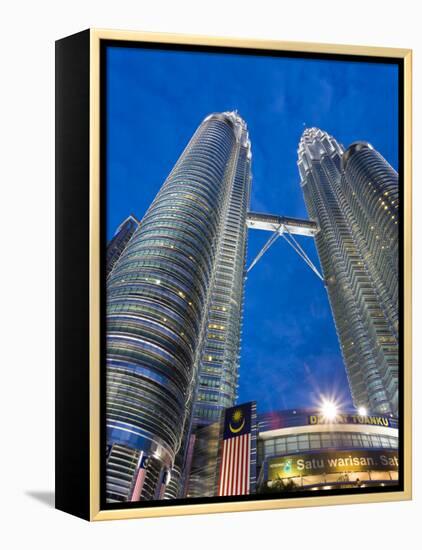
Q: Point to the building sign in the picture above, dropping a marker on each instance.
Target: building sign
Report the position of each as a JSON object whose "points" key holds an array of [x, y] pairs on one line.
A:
{"points": [[330, 462], [351, 419]]}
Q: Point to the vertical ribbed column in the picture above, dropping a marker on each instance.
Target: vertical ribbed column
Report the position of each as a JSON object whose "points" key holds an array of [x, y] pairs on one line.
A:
{"points": [[371, 188], [157, 296], [219, 361], [119, 242], [361, 307], [219, 340]]}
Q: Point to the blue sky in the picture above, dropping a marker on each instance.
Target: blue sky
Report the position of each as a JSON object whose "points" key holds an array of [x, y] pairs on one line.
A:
{"points": [[157, 99]]}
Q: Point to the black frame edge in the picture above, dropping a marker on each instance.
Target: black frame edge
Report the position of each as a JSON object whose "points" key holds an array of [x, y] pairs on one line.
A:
{"points": [[72, 86]]}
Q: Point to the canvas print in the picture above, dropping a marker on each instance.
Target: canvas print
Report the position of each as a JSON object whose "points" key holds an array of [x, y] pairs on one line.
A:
{"points": [[251, 273]]}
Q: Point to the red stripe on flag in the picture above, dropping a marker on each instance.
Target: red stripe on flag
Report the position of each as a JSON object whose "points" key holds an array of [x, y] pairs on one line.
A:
{"points": [[244, 465], [239, 464], [245, 458], [235, 465], [228, 466], [248, 465]]}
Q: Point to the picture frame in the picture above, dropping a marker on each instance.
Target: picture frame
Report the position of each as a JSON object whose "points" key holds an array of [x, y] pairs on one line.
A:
{"points": [[82, 152]]}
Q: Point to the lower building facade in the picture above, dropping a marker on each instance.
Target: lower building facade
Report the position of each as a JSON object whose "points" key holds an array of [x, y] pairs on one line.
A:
{"points": [[304, 450]]}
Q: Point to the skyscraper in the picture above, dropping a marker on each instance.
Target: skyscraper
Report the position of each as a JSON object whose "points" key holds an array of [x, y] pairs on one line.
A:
{"points": [[174, 303], [353, 195], [219, 361], [119, 241], [372, 191]]}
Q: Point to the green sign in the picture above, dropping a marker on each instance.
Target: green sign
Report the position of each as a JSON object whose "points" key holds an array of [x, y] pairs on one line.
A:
{"points": [[329, 462]]}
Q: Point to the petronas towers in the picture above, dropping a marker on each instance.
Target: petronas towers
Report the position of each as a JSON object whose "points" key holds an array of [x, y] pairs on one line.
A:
{"points": [[175, 290]]}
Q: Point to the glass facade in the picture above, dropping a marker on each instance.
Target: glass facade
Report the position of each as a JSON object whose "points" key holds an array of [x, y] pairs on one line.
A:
{"points": [[304, 450], [174, 301], [219, 361], [286, 444], [348, 449], [119, 241], [203, 477], [353, 196]]}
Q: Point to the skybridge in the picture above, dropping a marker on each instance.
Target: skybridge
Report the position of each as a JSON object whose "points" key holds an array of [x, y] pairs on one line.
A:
{"points": [[285, 227], [270, 222]]}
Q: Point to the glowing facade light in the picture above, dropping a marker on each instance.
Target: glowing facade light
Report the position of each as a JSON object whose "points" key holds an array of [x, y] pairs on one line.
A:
{"points": [[329, 409], [362, 411]]}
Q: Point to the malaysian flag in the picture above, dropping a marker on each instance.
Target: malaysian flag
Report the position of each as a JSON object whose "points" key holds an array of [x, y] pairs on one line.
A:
{"points": [[235, 468]]}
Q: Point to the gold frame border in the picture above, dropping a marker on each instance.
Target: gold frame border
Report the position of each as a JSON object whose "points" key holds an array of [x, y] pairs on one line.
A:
{"points": [[96, 514]]}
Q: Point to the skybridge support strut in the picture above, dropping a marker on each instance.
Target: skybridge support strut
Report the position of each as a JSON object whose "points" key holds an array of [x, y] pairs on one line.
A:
{"points": [[285, 229], [266, 246]]}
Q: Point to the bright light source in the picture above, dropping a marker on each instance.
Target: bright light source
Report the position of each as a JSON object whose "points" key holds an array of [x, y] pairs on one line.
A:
{"points": [[362, 411], [329, 410]]}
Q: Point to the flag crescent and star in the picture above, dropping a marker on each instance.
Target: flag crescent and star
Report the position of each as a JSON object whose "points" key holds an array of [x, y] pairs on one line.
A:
{"points": [[237, 417], [234, 478]]}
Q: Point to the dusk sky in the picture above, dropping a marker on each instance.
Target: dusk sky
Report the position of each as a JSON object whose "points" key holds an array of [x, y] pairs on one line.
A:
{"points": [[156, 100]]}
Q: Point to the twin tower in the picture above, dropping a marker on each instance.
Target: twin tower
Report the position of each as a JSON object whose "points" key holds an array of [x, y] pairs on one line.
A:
{"points": [[175, 295]]}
